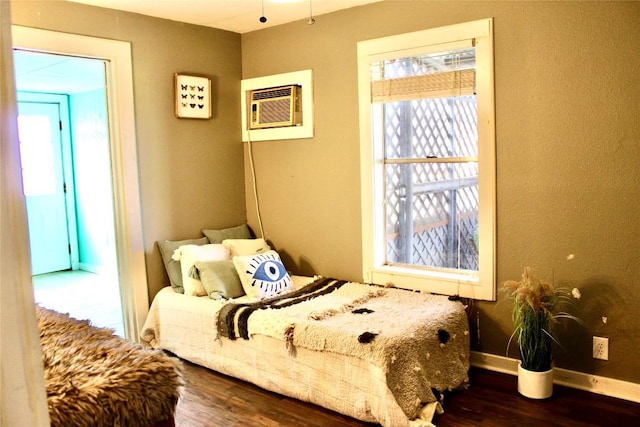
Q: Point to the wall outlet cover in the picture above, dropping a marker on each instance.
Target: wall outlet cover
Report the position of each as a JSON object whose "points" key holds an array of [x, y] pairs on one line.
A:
{"points": [[601, 348]]}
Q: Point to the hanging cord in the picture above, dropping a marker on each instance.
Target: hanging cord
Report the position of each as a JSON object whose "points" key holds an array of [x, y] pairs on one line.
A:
{"points": [[263, 18], [255, 185], [311, 20]]}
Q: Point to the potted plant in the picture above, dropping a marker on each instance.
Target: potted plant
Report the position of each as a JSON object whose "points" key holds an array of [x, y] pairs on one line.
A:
{"points": [[537, 307]]}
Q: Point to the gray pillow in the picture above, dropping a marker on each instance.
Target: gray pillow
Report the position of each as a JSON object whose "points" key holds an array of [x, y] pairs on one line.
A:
{"points": [[172, 266], [239, 232], [220, 279]]}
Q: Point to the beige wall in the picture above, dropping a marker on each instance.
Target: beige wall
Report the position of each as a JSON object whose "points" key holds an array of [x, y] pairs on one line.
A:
{"points": [[568, 148], [567, 134], [191, 171]]}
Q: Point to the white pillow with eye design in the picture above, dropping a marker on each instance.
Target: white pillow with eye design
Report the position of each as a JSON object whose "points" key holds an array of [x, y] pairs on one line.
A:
{"points": [[263, 275]]}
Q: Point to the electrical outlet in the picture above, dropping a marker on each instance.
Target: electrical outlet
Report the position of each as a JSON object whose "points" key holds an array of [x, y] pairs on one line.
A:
{"points": [[601, 348]]}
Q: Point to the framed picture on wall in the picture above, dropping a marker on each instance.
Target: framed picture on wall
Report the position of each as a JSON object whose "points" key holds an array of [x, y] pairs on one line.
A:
{"points": [[193, 96]]}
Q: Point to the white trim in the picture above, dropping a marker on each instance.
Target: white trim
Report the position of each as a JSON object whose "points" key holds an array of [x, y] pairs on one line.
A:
{"points": [[127, 213], [303, 78], [480, 285], [96, 269], [416, 39], [592, 383]]}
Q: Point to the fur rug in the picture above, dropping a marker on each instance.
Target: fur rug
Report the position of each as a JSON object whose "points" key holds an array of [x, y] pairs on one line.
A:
{"points": [[95, 378]]}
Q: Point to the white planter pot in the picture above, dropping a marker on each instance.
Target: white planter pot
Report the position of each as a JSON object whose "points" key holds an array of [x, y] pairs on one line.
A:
{"points": [[535, 385]]}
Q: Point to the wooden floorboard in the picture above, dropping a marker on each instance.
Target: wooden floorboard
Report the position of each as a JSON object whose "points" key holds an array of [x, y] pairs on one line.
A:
{"points": [[213, 399]]}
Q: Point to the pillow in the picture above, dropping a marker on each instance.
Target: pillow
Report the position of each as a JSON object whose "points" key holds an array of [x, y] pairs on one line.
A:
{"points": [[241, 247], [167, 248], [220, 279], [263, 275], [217, 236], [188, 255]]}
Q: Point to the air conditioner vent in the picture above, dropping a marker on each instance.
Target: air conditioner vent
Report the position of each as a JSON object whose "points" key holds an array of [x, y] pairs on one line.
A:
{"points": [[275, 107], [279, 92]]}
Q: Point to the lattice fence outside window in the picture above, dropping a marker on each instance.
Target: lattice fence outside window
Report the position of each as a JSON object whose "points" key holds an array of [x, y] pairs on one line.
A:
{"points": [[432, 206]]}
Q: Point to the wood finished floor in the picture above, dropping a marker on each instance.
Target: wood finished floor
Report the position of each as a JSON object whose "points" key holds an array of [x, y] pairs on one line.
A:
{"points": [[212, 399]]}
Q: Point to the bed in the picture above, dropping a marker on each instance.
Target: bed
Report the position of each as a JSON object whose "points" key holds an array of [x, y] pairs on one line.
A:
{"points": [[375, 353], [378, 354]]}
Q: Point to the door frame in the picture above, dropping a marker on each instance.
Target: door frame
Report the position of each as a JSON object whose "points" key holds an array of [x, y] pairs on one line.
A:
{"points": [[130, 254], [67, 163]]}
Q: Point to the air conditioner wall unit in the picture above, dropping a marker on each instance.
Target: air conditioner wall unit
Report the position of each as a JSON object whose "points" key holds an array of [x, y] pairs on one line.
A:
{"points": [[275, 107]]}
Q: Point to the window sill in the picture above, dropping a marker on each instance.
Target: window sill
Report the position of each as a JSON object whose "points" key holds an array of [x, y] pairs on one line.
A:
{"points": [[438, 282]]}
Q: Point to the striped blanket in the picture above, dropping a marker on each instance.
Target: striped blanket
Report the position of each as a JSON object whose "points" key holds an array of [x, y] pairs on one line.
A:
{"points": [[233, 318]]}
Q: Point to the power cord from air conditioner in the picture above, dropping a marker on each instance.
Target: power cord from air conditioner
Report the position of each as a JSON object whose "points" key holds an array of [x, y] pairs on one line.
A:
{"points": [[255, 185]]}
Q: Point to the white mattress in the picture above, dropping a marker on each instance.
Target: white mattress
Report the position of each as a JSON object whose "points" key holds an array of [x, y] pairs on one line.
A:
{"points": [[186, 326]]}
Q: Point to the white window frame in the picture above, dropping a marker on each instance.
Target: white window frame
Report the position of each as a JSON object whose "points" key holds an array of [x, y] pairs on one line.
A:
{"points": [[480, 285]]}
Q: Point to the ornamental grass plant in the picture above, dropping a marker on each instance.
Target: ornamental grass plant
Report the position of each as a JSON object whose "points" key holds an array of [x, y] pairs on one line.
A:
{"points": [[537, 307]]}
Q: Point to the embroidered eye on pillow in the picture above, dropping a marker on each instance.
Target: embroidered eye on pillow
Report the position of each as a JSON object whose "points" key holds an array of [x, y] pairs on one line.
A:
{"points": [[263, 275]]}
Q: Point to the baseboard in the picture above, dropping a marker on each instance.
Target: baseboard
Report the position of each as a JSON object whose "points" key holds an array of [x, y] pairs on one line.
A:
{"points": [[592, 383], [93, 268]]}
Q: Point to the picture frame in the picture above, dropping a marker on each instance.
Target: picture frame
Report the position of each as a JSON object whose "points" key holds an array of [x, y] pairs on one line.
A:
{"points": [[192, 96]]}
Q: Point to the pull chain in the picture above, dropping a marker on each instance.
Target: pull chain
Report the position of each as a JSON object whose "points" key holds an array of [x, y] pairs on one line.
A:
{"points": [[311, 20], [263, 18]]}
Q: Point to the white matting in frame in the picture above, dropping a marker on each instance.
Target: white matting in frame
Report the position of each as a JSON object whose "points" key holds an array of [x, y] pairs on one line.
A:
{"points": [[193, 96]]}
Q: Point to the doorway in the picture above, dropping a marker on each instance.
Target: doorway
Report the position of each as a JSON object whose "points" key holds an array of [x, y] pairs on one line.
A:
{"points": [[129, 243], [66, 167]]}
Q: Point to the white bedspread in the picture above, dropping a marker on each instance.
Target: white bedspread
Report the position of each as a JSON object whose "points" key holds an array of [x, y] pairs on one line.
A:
{"points": [[354, 386]]}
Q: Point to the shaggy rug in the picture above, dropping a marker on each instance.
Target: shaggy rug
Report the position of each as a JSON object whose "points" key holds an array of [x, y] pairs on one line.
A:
{"points": [[95, 378]]}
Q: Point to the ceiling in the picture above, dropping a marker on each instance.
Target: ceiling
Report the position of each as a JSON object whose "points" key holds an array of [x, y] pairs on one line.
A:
{"points": [[240, 16], [42, 72]]}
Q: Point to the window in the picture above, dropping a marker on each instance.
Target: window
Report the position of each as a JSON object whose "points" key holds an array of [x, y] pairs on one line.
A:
{"points": [[428, 160], [37, 155]]}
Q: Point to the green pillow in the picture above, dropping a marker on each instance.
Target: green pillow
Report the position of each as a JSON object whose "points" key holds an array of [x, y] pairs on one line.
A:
{"points": [[239, 232], [220, 279], [172, 266]]}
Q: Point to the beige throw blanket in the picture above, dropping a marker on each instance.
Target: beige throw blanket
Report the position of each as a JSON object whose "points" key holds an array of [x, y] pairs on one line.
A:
{"points": [[421, 341]]}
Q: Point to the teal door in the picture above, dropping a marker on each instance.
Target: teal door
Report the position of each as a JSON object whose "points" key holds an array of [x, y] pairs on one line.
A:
{"points": [[44, 186]]}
